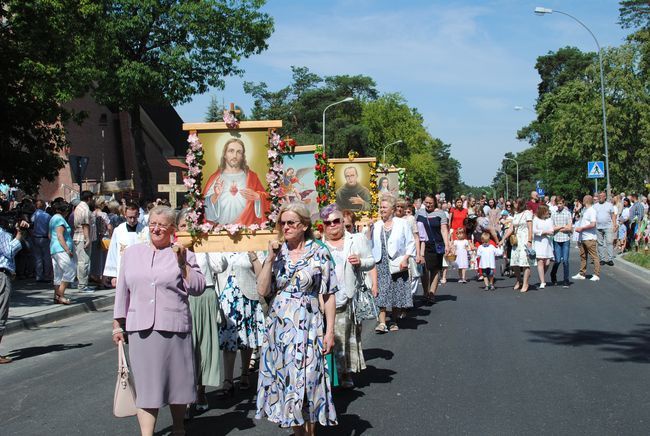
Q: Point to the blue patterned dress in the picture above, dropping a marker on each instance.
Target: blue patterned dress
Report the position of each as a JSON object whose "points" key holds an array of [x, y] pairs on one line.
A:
{"points": [[293, 385]]}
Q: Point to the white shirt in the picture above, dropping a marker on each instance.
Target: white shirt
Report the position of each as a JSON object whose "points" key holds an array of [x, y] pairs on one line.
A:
{"points": [[120, 240], [588, 217], [488, 254]]}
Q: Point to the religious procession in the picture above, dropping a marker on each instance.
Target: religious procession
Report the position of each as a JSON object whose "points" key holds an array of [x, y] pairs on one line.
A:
{"points": [[315, 260]]}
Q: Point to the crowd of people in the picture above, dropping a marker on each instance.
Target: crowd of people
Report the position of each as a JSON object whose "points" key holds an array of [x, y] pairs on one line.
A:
{"points": [[295, 312]]}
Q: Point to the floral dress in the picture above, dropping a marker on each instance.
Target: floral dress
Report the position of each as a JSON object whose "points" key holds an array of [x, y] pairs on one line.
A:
{"points": [[518, 257], [243, 326], [394, 289], [293, 384]]}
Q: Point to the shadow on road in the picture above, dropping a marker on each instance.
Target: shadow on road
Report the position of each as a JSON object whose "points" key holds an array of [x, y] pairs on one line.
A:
{"points": [[25, 353], [633, 346], [377, 353]]}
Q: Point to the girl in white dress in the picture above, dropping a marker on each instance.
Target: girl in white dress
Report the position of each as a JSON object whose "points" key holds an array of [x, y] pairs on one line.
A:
{"points": [[542, 243], [461, 249]]}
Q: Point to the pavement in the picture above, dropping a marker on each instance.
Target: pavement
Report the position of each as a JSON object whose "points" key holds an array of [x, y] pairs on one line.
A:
{"points": [[548, 362], [31, 304]]}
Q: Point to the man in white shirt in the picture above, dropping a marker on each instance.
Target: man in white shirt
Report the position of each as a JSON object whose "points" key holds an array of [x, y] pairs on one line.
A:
{"points": [[126, 234], [605, 228], [587, 240]]}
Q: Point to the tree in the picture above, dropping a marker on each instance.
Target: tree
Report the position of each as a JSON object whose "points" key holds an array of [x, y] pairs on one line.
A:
{"points": [[166, 51], [214, 113], [47, 60]]}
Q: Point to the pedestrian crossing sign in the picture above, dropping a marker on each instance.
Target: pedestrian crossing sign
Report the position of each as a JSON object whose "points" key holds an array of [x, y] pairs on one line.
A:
{"points": [[595, 169]]}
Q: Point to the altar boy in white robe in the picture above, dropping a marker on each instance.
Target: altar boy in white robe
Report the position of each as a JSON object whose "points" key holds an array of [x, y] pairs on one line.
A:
{"points": [[126, 234]]}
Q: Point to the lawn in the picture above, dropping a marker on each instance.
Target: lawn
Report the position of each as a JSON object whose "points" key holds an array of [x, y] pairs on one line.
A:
{"points": [[639, 258]]}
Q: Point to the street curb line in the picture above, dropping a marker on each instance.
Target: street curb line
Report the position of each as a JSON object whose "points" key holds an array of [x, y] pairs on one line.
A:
{"points": [[632, 268], [33, 322]]}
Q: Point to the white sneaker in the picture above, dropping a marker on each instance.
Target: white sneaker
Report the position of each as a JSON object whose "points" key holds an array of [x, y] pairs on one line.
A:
{"points": [[594, 278], [578, 277], [542, 285]]}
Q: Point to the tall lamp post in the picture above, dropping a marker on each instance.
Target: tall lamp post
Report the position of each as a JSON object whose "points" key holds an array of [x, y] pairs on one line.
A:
{"points": [[517, 163], [325, 110], [103, 123], [399, 141], [543, 11], [505, 175]]}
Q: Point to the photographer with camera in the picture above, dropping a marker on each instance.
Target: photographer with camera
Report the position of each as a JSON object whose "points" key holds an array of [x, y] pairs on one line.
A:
{"points": [[8, 248]]}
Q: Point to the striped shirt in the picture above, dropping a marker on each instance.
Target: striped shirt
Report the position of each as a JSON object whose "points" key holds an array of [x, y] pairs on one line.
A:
{"points": [[561, 219]]}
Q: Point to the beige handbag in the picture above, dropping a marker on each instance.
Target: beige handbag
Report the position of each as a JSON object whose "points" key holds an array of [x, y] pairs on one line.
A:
{"points": [[124, 399]]}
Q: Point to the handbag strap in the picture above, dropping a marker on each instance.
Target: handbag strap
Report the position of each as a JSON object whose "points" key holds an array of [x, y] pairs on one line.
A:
{"points": [[121, 357]]}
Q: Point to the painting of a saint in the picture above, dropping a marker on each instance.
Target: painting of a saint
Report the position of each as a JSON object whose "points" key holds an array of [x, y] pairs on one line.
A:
{"points": [[353, 195], [388, 183], [298, 180], [234, 193]]}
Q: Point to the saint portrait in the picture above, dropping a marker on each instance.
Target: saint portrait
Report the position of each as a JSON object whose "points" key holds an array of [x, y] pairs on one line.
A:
{"points": [[388, 183], [352, 194], [234, 193], [299, 177]]}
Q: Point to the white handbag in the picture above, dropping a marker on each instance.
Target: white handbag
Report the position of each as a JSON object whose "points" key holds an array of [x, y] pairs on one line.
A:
{"points": [[124, 398]]}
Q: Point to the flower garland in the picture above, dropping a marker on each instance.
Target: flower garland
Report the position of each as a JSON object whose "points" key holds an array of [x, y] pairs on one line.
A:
{"points": [[229, 118], [374, 192], [321, 173], [401, 177], [275, 174]]}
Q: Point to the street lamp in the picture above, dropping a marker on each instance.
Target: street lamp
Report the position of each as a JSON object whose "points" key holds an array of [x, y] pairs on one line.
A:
{"points": [[399, 141], [333, 104], [543, 11], [517, 163], [103, 123]]}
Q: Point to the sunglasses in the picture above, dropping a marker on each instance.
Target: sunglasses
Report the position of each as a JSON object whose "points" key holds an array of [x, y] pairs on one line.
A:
{"points": [[289, 223], [335, 221]]}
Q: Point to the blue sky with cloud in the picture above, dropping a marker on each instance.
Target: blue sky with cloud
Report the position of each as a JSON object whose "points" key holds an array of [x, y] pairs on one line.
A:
{"points": [[463, 64]]}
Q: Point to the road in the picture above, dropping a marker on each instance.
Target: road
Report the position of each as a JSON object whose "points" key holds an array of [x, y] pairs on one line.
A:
{"points": [[555, 361]]}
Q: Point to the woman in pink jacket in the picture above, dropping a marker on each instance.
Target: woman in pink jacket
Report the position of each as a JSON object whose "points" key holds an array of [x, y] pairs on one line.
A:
{"points": [[152, 292]]}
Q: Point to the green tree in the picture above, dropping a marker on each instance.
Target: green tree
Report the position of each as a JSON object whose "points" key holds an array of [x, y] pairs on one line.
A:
{"points": [[158, 51], [214, 112], [47, 60]]}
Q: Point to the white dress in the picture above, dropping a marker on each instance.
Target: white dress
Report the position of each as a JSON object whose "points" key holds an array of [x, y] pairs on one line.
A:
{"points": [[518, 255], [542, 243], [462, 253]]}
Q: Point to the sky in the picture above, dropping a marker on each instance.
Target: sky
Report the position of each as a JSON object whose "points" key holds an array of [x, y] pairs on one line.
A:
{"points": [[464, 65]]}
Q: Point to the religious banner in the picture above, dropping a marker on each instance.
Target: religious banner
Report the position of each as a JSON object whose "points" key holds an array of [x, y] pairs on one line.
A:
{"points": [[391, 180], [117, 186], [234, 177], [353, 184], [300, 179]]}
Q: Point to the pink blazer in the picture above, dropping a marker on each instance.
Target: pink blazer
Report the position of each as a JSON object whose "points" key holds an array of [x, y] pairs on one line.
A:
{"points": [[152, 294]]}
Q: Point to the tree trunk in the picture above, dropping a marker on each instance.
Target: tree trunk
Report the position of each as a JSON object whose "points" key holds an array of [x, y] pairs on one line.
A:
{"points": [[144, 172]]}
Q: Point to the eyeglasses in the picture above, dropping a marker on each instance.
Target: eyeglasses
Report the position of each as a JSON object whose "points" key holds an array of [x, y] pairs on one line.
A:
{"points": [[289, 223], [335, 221], [153, 226]]}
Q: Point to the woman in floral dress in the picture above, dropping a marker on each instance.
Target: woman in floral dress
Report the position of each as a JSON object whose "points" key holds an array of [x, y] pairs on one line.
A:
{"points": [[293, 384], [522, 227]]}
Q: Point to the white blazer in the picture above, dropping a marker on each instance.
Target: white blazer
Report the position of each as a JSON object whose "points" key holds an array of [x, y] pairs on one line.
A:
{"points": [[400, 243], [357, 244]]}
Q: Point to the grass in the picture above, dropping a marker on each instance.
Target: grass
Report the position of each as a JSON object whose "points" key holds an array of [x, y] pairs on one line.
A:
{"points": [[640, 258]]}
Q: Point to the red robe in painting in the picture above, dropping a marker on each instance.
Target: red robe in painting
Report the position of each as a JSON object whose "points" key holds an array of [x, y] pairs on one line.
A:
{"points": [[247, 216]]}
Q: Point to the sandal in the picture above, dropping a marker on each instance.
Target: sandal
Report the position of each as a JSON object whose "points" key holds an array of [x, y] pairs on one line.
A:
{"points": [[244, 383], [393, 327], [227, 392], [58, 299], [381, 328]]}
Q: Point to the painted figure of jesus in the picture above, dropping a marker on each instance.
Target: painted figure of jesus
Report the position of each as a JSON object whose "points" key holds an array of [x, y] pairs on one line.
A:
{"points": [[234, 193]]}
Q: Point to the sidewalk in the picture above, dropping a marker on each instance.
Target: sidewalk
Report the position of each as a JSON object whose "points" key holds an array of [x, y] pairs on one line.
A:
{"points": [[31, 304]]}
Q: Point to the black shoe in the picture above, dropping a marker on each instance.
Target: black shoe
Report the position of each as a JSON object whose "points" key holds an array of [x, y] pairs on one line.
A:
{"points": [[602, 262], [610, 263], [566, 285], [553, 283]]}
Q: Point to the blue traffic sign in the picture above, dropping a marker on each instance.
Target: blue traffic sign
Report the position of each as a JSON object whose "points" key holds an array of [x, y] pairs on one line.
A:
{"points": [[595, 169]]}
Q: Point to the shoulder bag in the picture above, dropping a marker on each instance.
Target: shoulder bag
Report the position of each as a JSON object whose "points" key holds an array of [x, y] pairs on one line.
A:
{"points": [[363, 304], [513, 237], [124, 398]]}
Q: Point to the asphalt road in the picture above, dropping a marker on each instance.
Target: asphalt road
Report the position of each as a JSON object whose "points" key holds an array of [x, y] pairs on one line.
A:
{"points": [[550, 362]]}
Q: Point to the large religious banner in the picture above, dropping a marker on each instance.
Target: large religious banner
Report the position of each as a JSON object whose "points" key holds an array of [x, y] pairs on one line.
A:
{"points": [[234, 181], [391, 180], [353, 184]]}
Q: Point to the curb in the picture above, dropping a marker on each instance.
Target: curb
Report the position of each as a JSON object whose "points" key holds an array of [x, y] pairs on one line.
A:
{"points": [[58, 313], [632, 268]]}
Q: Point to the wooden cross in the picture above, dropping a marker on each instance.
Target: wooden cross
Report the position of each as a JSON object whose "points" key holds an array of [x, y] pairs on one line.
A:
{"points": [[172, 188], [233, 110]]}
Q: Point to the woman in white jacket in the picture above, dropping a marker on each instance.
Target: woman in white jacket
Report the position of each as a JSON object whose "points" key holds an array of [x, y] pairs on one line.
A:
{"points": [[392, 247], [352, 257]]}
